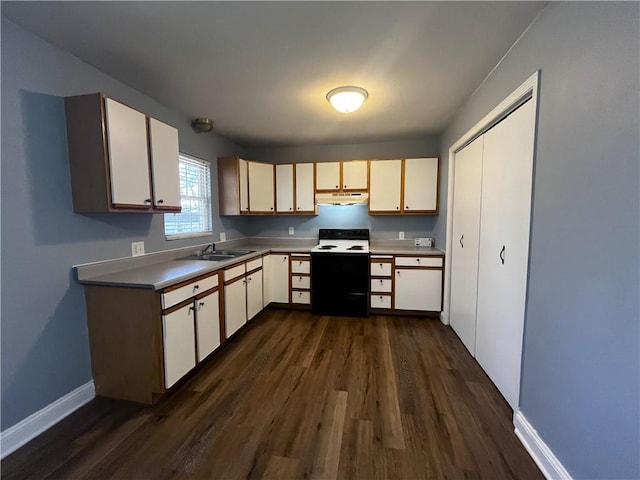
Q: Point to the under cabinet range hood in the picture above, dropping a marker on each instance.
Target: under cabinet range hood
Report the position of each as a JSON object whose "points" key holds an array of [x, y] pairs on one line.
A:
{"points": [[342, 198]]}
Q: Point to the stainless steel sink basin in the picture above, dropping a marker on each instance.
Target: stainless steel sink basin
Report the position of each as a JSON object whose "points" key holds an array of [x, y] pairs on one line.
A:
{"points": [[220, 255]]}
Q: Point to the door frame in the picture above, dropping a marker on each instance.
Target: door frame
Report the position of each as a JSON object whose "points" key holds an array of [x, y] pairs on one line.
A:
{"points": [[527, 91]]}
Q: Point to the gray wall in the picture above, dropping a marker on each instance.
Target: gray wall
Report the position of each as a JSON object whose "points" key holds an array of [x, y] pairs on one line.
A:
{"points": [[580, 379], [355, 216], [45, 352]]}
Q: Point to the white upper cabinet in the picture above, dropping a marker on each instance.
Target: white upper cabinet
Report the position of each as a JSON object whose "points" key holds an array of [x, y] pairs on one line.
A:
{"points": [[128, 155], [261, 188], [354, 175], [385, 186], [328, 176], [243, 184], [420, 185], [305, 194], [284, 188], [115, 152], [163, 141]]}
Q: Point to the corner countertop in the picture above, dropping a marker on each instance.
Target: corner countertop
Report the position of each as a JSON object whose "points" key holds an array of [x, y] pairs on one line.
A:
{"points": [[163, 269]]}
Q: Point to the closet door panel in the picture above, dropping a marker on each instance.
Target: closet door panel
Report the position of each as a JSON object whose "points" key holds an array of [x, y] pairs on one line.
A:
{"points": [[466, 238], [504, 248]]}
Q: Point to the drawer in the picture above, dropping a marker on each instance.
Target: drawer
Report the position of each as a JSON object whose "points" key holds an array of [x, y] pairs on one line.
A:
{"points": [[253, 264], [381, 285], [300, 266], [380, 269], [380, 301], [234, 272], [300, 281], [180, 294], [301, 297], [419, 261]]}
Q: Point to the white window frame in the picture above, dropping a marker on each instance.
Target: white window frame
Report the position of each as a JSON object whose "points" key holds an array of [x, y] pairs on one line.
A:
{"points": [[202, 233]]}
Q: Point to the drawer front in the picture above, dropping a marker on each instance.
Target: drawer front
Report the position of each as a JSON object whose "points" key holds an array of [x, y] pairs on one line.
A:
{"points": [[301, 297], [253, 264], [380, 269], [300, 281], [178, 295], [234, 272], [381, 285], [300, 266], [380, 301], [419, 261]]}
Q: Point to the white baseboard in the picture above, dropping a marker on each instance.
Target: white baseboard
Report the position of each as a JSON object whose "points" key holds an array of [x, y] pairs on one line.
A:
{"points": [[549, 465], [14, 437]]}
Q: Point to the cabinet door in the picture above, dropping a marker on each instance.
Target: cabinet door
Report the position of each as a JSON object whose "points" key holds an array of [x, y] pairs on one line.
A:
{"points": [[384, 186], [277, 279], [261, 193], [328, 176], [421, 185], [179, 344], [128, 155], [305, 189], [254, 294], [507, 168], [466, 237], [163, 141], [235, 306], [243, 179], [354, 175], [417, 289], [207, 325], [284, 188]]}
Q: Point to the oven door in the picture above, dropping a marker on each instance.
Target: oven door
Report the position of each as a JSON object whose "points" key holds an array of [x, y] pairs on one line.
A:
{"points": [[340, 284]]}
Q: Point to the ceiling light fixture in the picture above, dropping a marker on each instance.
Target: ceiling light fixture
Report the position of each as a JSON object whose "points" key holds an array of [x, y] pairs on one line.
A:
{"points": [[347, 99], [202, 125]]}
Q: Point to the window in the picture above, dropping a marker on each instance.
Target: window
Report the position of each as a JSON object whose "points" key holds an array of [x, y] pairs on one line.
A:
{"points": [[195, 195]]}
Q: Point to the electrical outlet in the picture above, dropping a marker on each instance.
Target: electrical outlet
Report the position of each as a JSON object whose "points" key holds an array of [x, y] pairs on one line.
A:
{"points": [[400, 235], [223, 236], [292, 231], [137, 249]]}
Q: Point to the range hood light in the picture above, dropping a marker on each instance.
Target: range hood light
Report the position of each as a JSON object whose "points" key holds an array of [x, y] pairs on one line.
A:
{"points": [[342, 198]]}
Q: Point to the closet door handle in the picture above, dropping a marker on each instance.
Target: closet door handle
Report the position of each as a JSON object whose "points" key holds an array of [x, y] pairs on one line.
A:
{"points": [[502, 254], [461, 244]]}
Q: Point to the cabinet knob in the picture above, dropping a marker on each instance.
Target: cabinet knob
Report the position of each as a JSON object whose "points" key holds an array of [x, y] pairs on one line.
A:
{"points": [[289, 208], [337, 186], [244, 282], [148, 200], [191, 309], [407, 207], [397, 208], [418, 260], [298, 208], [380, 297], [271, 208], [380, 265], [249, 279], [196, 287], [160, 201], [380, 282], [284, 259], [345, 186], [202, 304]]}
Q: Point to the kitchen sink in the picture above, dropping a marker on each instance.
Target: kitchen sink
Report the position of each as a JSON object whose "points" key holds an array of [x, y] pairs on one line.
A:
{"points": [[220, 255]]}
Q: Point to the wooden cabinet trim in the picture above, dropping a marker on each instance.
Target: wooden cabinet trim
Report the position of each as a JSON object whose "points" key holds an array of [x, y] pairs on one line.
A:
{"points": [[235, 279]]}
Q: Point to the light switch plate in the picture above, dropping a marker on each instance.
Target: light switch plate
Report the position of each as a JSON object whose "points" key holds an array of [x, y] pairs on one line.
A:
{"points": [[137, 249], [291, 231], [400, 235], [223, 236]]}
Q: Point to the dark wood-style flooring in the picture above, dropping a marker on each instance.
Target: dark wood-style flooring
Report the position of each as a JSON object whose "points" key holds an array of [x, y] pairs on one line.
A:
{"points": [[301, 396]]}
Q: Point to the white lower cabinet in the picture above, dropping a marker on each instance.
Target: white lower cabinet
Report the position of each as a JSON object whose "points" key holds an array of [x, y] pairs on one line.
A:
{"points": [[254, 294], [207, 324], [275, 277], [418, 289], [179, 347], [235, 306]]}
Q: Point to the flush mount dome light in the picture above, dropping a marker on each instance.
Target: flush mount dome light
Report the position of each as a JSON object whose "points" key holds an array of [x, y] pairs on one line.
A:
{"points": [[202, 125], [347, 99]]}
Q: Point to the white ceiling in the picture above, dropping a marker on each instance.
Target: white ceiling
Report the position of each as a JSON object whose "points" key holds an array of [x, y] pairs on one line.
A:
{"points": [[261, 70]]}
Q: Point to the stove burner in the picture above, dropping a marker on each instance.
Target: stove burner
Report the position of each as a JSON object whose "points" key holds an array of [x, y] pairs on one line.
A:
{"points": [[326, 247], [356, 247]]}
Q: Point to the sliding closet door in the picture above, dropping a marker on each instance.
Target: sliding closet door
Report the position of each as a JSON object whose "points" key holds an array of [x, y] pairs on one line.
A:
{"points": [[504, 248], [466, 236]]}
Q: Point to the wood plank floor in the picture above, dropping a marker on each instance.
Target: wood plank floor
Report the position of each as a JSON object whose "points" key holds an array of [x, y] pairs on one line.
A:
{"points": [[301, 396]]}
